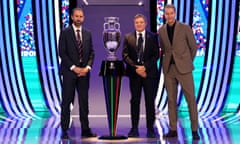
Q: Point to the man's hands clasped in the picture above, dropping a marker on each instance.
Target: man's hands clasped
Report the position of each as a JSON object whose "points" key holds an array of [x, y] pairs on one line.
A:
{"points": [[141, 71], [80, 71]]}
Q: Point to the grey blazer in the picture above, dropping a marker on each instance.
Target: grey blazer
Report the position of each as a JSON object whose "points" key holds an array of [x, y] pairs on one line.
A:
{"points": [[183, 47]]}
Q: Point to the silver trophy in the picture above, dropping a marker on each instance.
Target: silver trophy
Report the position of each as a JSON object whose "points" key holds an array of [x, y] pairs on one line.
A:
{"points": [[111, 36]]}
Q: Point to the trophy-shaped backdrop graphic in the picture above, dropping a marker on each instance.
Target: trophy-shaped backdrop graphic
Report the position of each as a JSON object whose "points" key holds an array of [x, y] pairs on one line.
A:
{"points": [[111, 36], [112, 71]]}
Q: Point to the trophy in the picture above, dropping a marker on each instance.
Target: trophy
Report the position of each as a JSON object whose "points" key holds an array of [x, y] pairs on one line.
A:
{"points": [[111, 36], [112, 71]]}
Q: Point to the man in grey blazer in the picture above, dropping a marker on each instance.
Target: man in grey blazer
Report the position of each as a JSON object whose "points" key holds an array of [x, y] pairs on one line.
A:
{"points": [[179, 49], [77, 55]]}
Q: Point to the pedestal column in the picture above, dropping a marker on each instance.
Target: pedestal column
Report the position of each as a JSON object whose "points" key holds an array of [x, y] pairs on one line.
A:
{"points": [[112, 72]]}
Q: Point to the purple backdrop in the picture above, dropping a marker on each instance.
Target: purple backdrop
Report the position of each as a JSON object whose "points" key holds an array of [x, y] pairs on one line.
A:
{"points": [[94, 19]]}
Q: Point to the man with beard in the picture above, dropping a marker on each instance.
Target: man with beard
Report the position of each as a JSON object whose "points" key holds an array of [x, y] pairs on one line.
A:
{"points": [[77, 55]]}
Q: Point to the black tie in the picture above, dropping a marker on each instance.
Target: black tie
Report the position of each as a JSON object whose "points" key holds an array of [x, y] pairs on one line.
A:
{"points": [[79, 43], [140, 48]]}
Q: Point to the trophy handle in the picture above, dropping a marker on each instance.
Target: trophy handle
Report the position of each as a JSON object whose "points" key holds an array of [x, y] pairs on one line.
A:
{"points": [[105, 26], [117, 26]]}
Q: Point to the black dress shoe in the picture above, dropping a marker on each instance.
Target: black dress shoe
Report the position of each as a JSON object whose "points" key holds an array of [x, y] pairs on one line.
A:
{"points": [[151, 133], [171, 134], [88, 133], [195, 135], [64, 136], [133, 132]]}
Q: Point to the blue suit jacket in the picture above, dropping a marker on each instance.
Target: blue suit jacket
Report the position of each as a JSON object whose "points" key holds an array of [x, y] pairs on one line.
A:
{"points": [[68, 49], [150, 55]]}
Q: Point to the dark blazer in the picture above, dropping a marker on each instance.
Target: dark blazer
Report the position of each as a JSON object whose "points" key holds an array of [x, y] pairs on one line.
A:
{"points": [[68, 49], [183, 48], [150, 55]]}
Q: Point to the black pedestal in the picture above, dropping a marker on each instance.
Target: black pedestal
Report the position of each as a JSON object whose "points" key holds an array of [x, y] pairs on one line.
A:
{"points": [[112, 72], [117, 137]]}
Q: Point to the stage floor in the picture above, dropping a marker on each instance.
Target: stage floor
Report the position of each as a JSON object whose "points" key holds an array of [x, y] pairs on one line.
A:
{"points": [[45, 129]]}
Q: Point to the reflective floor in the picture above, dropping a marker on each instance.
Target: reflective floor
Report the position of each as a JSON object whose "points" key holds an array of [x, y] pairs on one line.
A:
{"points": [[45, 129]]}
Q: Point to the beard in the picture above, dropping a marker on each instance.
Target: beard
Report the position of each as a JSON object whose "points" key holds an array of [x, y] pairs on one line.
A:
{"points": [[77, 23]]}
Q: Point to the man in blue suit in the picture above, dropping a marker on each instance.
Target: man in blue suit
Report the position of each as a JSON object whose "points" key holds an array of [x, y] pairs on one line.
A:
{"points": [[77, 55], [140, 53]]}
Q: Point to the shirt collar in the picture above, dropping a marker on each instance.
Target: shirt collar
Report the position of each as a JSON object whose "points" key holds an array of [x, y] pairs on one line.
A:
{"points": [[143, 33], [75, 28], [172, 25]]}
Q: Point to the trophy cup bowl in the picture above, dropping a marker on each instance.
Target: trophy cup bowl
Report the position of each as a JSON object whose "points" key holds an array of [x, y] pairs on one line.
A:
{"points": [[111, 36]]}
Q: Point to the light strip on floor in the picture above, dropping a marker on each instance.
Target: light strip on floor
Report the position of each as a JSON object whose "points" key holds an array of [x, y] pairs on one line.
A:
{"points": [[204, 100], [47, 90], [54, 60], [10, 80]]}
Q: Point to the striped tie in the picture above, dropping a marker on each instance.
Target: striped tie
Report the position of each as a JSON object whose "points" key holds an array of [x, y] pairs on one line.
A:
{"points": [[79, 43]]}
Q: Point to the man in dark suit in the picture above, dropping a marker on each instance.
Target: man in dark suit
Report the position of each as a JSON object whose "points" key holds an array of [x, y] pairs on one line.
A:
{"points": [[140, 53], [77, 55], [179, 47]]}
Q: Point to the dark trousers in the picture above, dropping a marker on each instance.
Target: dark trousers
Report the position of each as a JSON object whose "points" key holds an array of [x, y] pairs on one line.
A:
{"points": [[149, 87], [81, 84]]}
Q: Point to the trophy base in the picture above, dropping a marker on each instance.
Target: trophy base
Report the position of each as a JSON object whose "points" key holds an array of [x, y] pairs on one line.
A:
{"points": [[112, 58], [108, 137]]}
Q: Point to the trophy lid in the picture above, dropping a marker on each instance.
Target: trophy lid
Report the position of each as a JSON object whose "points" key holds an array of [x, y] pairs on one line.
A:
{"points": [[111, 19]]}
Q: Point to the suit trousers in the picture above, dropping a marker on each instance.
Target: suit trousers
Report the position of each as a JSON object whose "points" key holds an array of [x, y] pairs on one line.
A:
{"points": [[148, 85], [70, 84], [172, 78]]}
